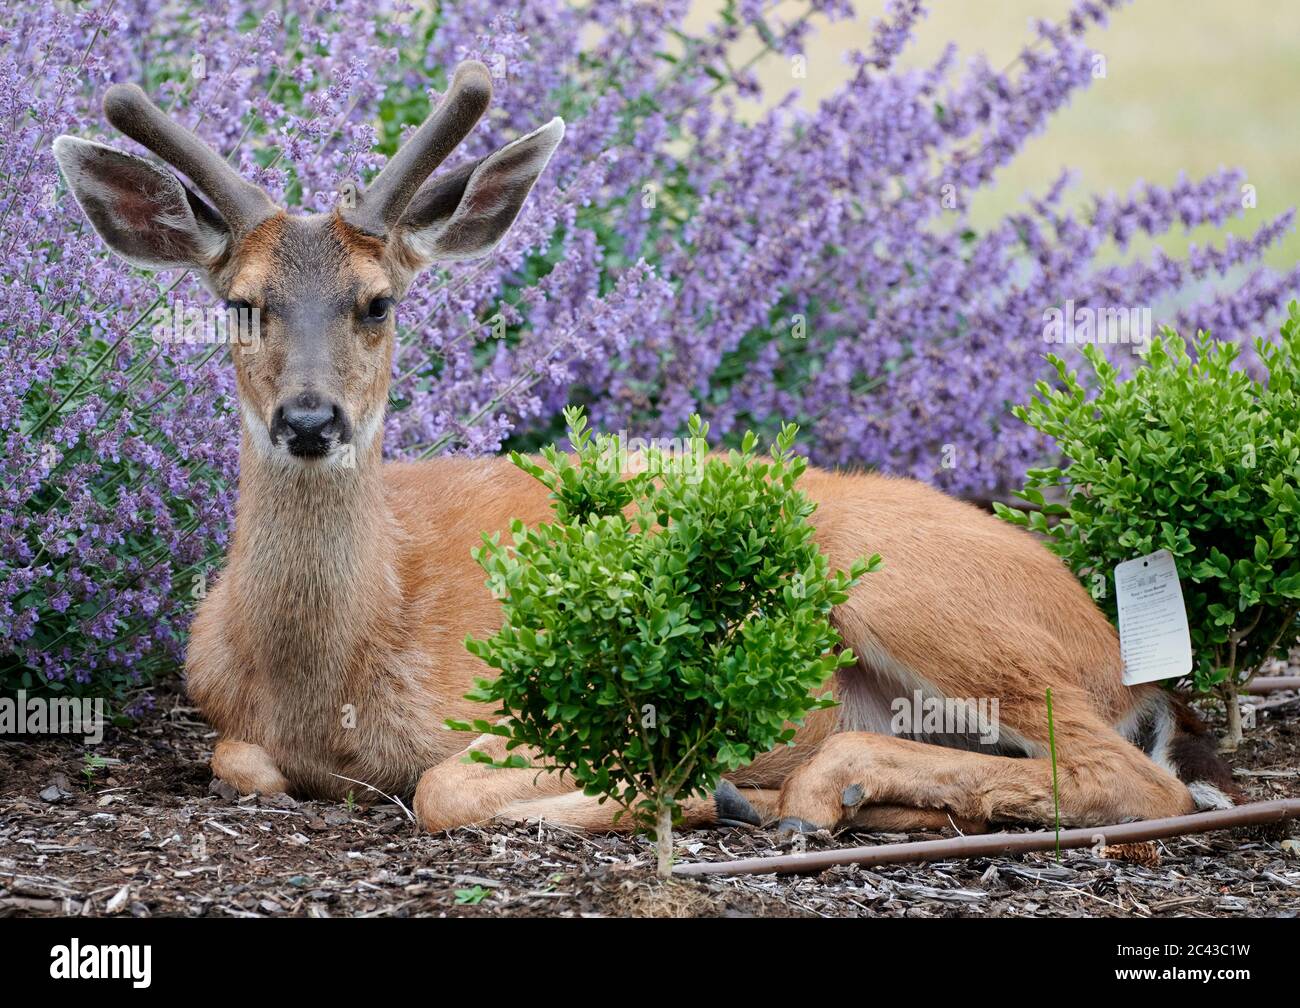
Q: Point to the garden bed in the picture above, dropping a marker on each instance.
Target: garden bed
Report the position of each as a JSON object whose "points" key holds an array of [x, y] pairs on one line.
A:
{"points": [[125, 839]]}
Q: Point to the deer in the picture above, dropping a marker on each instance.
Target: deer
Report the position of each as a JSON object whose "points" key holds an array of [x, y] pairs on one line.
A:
{"points": [[329, 652]]}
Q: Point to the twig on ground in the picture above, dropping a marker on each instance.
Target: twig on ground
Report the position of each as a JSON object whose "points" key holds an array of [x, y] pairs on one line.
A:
{"points": [[395, 801]]}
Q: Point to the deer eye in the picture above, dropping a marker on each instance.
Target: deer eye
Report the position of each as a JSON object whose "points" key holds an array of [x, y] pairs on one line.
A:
{"points": [[378, 309]]}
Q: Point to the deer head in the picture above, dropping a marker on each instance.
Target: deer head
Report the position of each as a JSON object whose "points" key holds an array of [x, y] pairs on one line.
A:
{"points": [[324, 286]]}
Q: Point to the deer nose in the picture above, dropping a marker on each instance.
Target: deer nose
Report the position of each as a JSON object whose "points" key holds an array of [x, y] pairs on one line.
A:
{"points": [[308, 423]]}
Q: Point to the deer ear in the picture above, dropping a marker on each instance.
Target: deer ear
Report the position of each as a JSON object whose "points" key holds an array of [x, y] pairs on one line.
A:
{"points": [[462, 214], [143, 212]]}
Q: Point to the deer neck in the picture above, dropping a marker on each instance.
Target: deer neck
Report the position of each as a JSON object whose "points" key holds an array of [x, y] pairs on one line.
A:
{"points": [[314, 560]]}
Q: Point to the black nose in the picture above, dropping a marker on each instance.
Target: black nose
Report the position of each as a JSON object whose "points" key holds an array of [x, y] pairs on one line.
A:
{"points": [[308, 424]]}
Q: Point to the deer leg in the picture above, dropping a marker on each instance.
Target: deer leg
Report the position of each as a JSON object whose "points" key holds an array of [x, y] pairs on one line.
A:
{"points": [[727, 806], [579, 811], [1102, 779], [766, 802], [248, 768], [907, 819], [455, 793]]}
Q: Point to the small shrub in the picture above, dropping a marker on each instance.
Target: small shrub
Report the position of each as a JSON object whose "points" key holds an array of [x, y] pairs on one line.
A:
{"points": [[667, 627], [1194, 456]]}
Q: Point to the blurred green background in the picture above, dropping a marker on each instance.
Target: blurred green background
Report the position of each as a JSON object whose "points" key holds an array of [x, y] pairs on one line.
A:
{"points": [[1191, 85]]}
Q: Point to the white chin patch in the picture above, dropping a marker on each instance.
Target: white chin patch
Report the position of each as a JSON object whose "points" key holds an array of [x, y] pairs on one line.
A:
{"points": [[367, 429], [260, 435]]}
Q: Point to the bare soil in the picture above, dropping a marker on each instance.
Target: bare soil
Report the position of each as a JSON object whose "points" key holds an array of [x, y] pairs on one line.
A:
{"points": [[151, 834]]}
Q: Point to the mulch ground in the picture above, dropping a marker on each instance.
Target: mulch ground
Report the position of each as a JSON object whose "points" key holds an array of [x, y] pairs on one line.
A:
{"points": [[149, 834]]}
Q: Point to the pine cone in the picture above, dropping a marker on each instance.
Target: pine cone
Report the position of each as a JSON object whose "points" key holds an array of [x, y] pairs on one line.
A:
{"points": [[1146, 854]]}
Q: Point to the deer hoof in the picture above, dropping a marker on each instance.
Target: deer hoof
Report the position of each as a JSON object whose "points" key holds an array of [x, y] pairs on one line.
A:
{"points": [[792, 826], [851, 797], [733, 809]]}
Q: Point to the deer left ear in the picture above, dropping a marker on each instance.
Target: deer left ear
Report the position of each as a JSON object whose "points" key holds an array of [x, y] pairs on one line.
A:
{"points": [[464, 213], [143, 212]]}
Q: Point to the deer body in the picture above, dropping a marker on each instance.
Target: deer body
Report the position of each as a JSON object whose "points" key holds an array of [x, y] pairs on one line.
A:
{"points": [[330, 652], [965, 606]]}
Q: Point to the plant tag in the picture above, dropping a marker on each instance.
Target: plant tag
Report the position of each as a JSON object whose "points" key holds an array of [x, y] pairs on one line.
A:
{"points": [[1153, 636]]}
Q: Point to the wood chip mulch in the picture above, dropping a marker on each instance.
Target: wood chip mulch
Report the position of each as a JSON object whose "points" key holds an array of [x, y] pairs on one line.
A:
{"points": [[151, 834]]}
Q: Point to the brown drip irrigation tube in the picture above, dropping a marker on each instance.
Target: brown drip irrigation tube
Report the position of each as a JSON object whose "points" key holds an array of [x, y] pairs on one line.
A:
{"points": [[1271, 684], [997, 844]]}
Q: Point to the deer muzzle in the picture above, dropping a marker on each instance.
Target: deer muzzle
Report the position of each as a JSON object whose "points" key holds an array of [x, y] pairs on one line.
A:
{"points": [[309, 425]]}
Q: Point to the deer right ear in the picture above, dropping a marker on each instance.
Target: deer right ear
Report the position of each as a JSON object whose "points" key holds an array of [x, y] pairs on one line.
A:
{"points": [[143, 212], [464, 213]]}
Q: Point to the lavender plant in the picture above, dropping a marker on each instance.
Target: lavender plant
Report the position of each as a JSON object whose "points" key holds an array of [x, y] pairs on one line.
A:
{"points": [[675, 259]]}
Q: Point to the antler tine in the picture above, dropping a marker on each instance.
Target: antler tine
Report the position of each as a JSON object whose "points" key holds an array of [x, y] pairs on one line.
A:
{"points": [[241, 203], [381, 206]]}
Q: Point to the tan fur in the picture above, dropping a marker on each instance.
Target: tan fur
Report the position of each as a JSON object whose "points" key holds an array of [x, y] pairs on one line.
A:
{"points": [[248, 768], [352, 591]]}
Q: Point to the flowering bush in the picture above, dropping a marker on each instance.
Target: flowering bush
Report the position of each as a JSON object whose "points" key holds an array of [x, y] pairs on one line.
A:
{"points": [[1191, 456], [675, 259]]}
